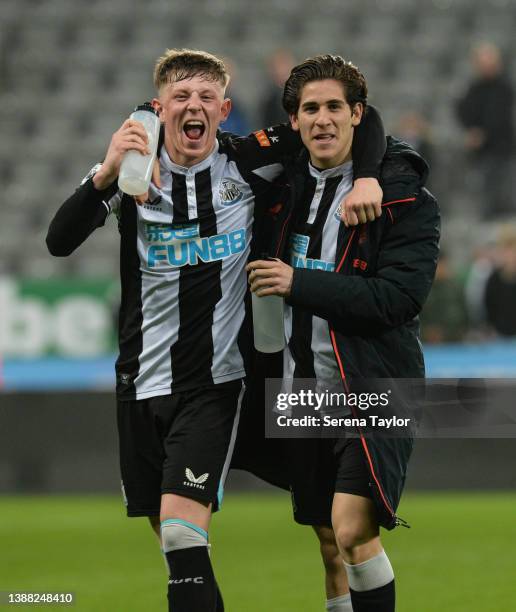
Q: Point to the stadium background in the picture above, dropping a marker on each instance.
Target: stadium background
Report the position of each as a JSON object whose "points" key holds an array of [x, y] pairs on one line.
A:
{"points": [[70, 72]]}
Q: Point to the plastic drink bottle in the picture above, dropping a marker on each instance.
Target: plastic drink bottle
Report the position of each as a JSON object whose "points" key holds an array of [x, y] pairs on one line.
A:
{"points": [[268, 327], [269, 335], [136, 169]]}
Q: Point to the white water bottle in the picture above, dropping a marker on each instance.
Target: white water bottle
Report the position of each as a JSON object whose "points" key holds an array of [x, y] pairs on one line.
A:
{"points": [[269, 334], [268, 326], [136, 169]]}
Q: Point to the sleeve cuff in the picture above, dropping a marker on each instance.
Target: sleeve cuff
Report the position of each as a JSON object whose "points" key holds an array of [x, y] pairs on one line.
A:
{"points": [[99, 194], [367, 173], [297, 291]]}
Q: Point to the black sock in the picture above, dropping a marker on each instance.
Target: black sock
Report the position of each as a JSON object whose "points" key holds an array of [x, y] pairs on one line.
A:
{"points": [[376, 600], [191, 587], [220, 601]]}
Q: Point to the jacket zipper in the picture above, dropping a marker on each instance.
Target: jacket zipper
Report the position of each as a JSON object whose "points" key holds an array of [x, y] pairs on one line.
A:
{"points": [[282, 235]]}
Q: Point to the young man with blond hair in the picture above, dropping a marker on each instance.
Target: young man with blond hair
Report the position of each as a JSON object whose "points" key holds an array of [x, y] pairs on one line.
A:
{"points": [[182, 332]]}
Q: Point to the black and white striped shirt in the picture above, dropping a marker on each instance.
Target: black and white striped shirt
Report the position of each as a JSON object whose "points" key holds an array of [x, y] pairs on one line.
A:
{"points": [[192, 245], [313, 245], [182, 262]]}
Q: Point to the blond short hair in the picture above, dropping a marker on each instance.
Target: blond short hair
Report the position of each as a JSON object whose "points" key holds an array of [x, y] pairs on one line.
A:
{"points": [[179, 64]]}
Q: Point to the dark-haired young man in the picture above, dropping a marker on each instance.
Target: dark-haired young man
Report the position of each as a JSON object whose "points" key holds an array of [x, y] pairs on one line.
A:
{"points": [[353, 298], [182, 333]]}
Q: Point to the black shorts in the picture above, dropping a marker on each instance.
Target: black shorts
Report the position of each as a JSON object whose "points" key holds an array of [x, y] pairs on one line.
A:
{"points": [[321, 467], [180, 443]]}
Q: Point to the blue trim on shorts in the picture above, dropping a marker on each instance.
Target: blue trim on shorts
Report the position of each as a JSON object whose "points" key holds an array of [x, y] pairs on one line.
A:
{"points": [[199, 530]]}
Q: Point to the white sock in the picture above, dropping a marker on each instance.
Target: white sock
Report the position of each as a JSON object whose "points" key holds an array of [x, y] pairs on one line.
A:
{"points": [[339, 604], [371, 574]]}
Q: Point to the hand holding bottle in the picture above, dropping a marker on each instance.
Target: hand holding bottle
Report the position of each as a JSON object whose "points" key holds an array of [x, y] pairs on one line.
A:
{"points": [[270, 281], [131, 155], [130, 136], [270, 277], [136, 169]]}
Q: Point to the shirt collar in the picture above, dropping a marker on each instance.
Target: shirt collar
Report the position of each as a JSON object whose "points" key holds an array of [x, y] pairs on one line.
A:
{"points": [[202, 165], [345, 170]]}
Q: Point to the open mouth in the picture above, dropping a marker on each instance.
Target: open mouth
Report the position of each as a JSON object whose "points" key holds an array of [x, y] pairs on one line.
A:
{"points": [[194, 129]]}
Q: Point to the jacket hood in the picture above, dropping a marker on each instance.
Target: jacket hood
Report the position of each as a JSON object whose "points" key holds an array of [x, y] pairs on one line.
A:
{"points": [[402, 162]]}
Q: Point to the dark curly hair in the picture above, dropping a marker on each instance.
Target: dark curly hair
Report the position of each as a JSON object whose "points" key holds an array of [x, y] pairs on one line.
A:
{"points": [[324, 67]]}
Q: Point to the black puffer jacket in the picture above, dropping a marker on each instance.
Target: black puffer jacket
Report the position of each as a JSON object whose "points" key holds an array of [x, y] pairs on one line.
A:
{"points": [[384, 273]]}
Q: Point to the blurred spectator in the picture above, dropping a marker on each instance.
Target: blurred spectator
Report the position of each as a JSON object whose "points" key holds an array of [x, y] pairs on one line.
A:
{"points": [[486, 112], [443, 318], [237, 122], [500, 294], [482, 265], [280, 63], [415, 129]]}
